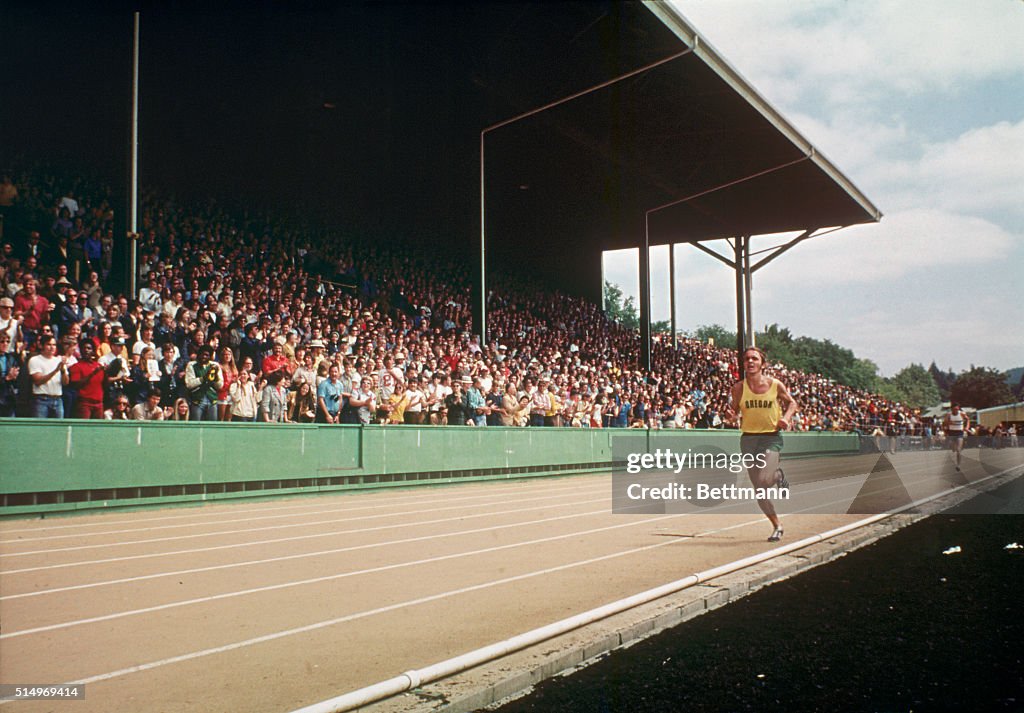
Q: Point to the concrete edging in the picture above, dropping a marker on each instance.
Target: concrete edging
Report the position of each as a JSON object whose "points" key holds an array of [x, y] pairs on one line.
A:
{"points": [[496, 682]]}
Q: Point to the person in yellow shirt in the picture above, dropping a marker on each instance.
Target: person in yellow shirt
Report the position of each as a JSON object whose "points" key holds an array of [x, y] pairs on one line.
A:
{"points": [[765, 409], [553, 415]]}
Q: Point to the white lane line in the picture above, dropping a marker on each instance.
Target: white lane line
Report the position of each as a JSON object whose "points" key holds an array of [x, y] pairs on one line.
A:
{"points": [[294, 538], [317, 535], [218, 533], [829, 484], [301, 555], [825, 487], [217, 508], [381, 506], [318, 580], [391, 607]]}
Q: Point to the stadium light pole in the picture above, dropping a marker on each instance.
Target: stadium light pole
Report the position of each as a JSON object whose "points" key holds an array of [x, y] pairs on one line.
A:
{"points": [[483, 172], [133, 179]]}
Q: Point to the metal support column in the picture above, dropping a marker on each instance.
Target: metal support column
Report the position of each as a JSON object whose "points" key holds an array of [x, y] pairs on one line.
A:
{"points": [[645, 299], [741, 292], [133, 181], [672, 292], [748, 283]]}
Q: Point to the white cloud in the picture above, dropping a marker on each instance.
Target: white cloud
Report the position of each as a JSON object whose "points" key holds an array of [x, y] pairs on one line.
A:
{"points": [[981, 170], [922, 327], [852, 52], [908, 241]]}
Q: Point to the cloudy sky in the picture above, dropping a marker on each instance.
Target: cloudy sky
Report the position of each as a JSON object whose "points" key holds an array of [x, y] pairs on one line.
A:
{"points": [[921, 104]]}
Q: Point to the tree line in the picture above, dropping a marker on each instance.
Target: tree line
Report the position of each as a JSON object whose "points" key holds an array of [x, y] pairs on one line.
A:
{"points": [[914, 385]]}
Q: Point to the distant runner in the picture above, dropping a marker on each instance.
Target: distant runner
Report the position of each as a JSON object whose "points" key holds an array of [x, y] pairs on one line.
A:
{"points": [[955, 424], [765, 408]]}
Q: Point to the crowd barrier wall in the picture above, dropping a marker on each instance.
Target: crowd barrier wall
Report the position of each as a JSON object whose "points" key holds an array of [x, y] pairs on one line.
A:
{"points": [[55, 466]]}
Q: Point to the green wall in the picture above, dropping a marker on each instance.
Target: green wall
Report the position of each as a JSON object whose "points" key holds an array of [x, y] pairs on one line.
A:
{"points": [[53, 466]]}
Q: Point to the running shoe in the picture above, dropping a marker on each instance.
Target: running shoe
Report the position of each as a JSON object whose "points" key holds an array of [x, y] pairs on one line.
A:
{"points": [[776, 535], [780, 479]]}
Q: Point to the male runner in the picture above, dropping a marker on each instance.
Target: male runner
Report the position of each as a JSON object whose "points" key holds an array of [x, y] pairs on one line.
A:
{"points": [[765, 407], [955, 424]]}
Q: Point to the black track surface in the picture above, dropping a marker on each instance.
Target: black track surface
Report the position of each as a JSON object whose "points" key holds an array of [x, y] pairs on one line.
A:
{"points": [[895, 626]]}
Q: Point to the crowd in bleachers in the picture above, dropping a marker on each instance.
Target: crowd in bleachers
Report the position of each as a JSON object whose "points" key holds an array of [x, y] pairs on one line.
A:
{"points": [[245, 316]]}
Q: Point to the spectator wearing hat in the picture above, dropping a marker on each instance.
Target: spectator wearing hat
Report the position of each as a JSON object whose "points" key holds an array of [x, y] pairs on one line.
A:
{"points": [[476, 405], [203, 379], [10, 325], [318, 350], [540, 403], [10, 369]]}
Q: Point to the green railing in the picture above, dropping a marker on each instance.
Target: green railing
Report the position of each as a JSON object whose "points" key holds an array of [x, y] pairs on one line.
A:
{"points": [[54, 466]]}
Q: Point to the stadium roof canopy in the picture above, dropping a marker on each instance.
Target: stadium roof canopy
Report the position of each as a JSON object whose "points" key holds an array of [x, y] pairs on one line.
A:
{"points": [[688, 134]]}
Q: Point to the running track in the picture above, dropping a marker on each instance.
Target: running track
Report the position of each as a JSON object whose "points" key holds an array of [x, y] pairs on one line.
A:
{"points": [[270, 605]]}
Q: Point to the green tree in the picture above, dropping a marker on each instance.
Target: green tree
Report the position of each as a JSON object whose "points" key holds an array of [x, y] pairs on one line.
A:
{"points": [[943, 380], [1015, 378], [913, 386], [818, 357], [661, 326], [623, 312], [722, 337], [777, 342], [863, 374], [981, 387]]}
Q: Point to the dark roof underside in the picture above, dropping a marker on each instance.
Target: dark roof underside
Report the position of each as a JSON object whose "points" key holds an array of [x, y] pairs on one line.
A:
{"points": [[593, 167], [375, 110]]}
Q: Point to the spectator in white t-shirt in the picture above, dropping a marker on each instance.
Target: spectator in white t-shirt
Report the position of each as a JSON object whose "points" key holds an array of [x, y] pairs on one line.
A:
{"points": [[49, 375]]}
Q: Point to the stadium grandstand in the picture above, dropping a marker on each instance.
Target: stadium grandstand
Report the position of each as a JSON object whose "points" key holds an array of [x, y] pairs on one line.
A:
{"points": [[274, 296]]}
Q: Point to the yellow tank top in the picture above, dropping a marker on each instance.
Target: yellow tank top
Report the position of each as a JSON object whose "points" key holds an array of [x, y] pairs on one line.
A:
{"points": [[761, 412]]}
